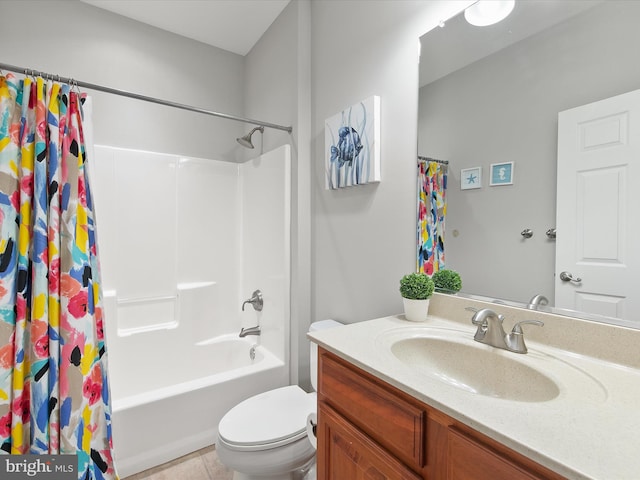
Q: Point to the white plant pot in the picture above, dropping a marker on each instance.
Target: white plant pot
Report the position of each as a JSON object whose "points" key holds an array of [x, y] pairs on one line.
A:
{"points": [[416, 310]]}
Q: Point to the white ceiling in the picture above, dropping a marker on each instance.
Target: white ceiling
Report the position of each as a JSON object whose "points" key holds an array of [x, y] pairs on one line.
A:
{"points": [[233, 25]]}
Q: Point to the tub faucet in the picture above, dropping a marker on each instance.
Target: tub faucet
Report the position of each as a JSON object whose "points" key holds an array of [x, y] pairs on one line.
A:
{"points": [[250, 331], [255, 300], [491, 332]]}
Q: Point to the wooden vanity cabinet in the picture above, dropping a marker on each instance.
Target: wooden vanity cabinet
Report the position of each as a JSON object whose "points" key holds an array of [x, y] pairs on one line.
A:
{"points": [[368, 429]]}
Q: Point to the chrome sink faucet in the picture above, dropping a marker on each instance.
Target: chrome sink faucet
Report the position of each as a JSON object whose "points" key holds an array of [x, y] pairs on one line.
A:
{"points": [[538, 300], [491, 332]]}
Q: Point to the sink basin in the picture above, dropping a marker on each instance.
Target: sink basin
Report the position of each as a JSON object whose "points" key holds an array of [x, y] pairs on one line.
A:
{"points": [[474, 367]]}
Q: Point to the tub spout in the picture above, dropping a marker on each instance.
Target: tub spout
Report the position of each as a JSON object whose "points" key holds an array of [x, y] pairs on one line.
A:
{"points": [[250, 331]]}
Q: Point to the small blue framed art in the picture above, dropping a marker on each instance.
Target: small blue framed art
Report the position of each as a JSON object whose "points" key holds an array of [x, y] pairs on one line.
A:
{"points": [[501, 174], [470, 178]]}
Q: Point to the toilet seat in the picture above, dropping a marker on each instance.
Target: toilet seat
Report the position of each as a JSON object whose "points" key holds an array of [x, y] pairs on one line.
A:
{"points": [[268, 420]]}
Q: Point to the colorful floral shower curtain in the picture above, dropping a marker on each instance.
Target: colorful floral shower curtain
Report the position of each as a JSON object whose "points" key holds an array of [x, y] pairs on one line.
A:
{"points": [[54, 393], [432, 209]]}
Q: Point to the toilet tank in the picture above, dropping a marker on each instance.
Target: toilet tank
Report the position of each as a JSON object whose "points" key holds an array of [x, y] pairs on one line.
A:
{"points": [[313, 349]]}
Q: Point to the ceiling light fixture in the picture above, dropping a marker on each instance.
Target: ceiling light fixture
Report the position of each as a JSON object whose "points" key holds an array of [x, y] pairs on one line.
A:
{"points": [[488, 12]]}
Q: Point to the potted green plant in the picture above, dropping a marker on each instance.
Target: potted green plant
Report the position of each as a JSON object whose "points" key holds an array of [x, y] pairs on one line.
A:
{"points": [[416, 290], [447, 281]]}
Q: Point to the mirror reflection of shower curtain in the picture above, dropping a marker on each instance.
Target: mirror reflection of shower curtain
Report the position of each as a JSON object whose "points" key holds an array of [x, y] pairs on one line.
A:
{"points": [[54, 392], [432, 209]]}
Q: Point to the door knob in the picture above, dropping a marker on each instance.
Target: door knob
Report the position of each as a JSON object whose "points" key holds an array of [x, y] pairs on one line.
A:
{"points": [[567, 277]]}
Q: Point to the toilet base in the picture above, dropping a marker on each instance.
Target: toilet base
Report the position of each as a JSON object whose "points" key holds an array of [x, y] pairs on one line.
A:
{"points": [[306, 473], [287, 462], [311, 473], [242, 476]]}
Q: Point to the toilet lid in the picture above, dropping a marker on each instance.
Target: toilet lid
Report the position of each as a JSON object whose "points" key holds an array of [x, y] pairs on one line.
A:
{"points": [[269, 417]]}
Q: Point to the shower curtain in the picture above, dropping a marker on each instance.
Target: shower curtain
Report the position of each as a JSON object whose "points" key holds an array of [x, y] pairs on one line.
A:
{"points": [[54, 393], [432, 209]]}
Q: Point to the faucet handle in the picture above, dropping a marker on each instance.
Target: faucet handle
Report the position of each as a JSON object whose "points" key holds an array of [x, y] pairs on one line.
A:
{"points": [[474, 320], [517, 329], [255, 300], [480, 317], [515, 340]]}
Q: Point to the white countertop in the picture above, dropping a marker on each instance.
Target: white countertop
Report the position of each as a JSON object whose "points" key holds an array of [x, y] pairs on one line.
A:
{"points": [[591, 430]]}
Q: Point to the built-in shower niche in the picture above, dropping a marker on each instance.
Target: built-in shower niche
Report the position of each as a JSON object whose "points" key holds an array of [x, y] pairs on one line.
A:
{"points": [[183, 242]]}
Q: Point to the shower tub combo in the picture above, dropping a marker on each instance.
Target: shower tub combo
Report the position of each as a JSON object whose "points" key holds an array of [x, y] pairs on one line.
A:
{"points": [[173, 315]]}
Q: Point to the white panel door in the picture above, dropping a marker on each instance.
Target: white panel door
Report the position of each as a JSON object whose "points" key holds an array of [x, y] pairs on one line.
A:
{"points": [[598, 208]]}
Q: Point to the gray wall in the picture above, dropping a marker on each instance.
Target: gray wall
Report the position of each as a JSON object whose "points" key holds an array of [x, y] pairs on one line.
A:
{"points": [[504, 108], [363, 237], [73, 39], [349, 247], [277, 85]]}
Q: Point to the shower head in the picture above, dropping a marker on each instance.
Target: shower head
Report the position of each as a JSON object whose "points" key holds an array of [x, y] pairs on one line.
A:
{"points": [[246, 140]]}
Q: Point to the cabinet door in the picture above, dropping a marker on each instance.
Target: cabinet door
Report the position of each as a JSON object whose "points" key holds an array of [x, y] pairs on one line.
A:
{"points": [[345, 453], [469, 460], [392, 420]]}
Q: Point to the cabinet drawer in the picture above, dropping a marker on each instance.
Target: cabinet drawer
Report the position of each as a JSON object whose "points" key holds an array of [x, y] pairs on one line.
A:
{"points": [[470, 460], [348, 454], [394, 422]]}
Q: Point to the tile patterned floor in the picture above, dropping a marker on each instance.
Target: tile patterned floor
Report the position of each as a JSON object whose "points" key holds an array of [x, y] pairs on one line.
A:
{"points": [[200, 465]]}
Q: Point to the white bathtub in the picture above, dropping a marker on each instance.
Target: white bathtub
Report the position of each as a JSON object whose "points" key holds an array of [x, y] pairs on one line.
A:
{"points": [[155, 425]]}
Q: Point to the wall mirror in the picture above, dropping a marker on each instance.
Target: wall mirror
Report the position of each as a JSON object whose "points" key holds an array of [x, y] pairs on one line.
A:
{"points": [[491, 95]]}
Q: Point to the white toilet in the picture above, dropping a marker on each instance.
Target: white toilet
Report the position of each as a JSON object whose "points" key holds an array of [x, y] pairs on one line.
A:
{"points": [[265, 436]]}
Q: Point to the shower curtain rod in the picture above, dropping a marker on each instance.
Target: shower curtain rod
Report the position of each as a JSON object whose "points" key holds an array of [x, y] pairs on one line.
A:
{"points": [[429, 159], [124, 93]]}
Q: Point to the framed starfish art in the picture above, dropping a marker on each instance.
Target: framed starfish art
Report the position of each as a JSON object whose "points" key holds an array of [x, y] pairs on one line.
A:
{"points": [[470, 178]]}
